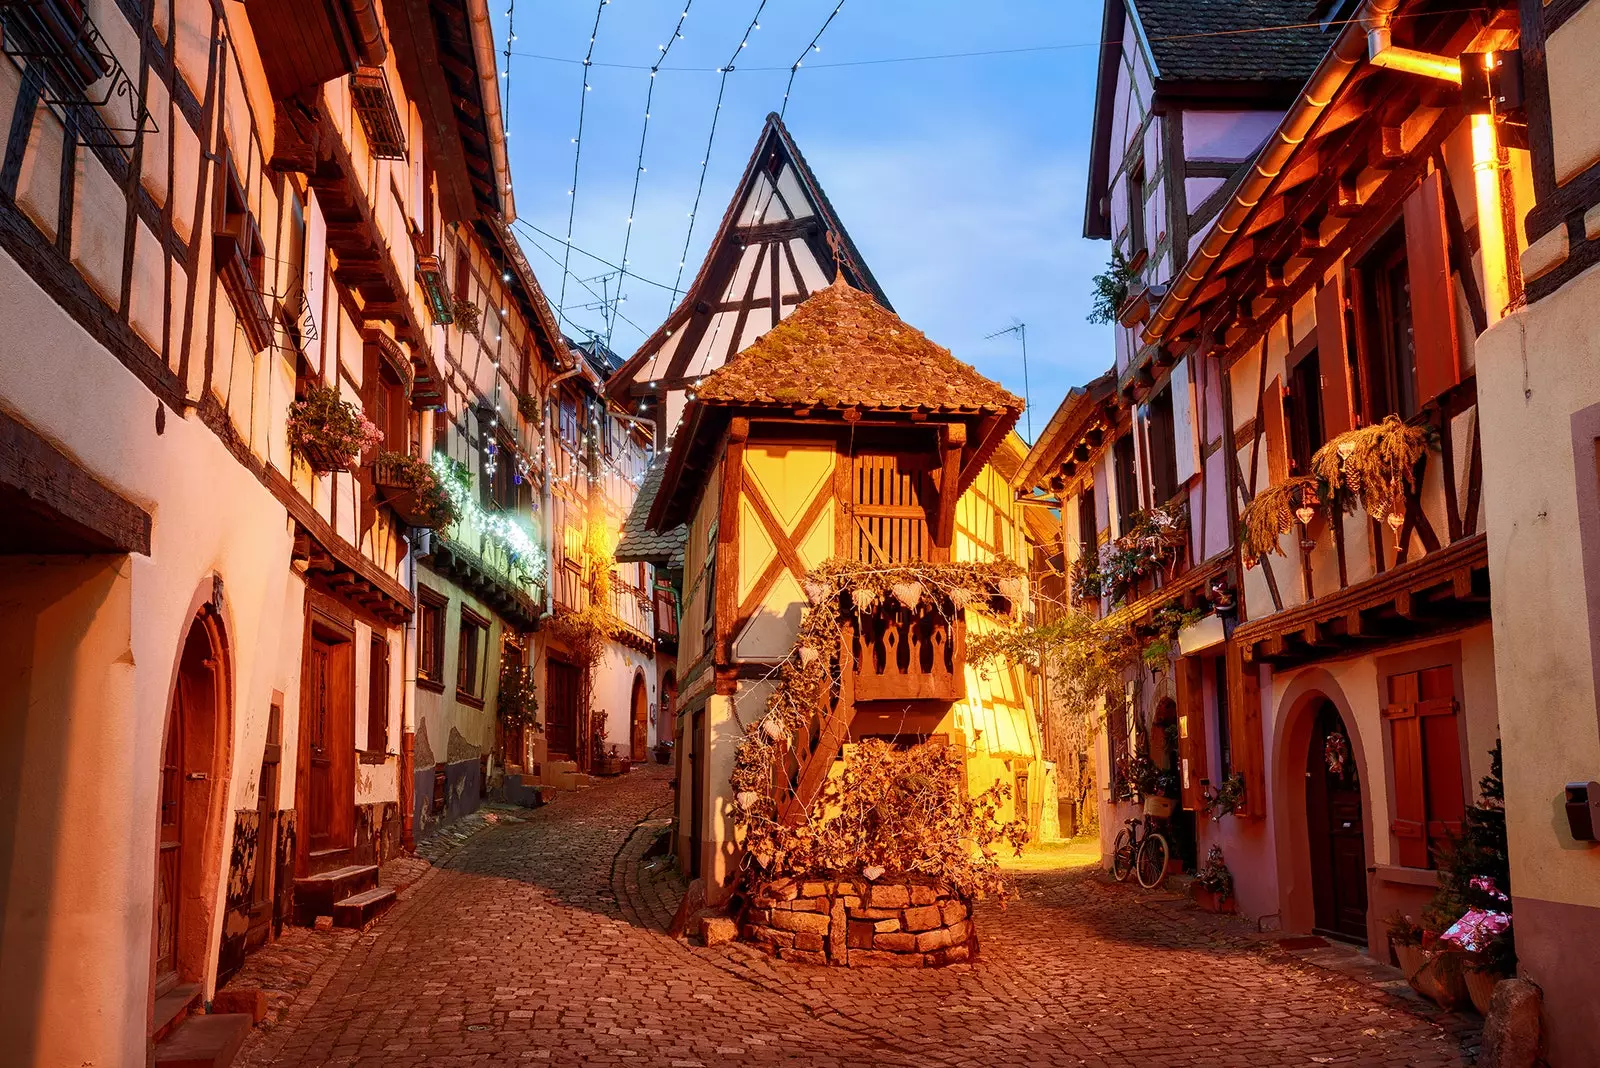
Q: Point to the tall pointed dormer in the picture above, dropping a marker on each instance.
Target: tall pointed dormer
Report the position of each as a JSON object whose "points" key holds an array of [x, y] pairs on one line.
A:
{"points": [[779, 242]]}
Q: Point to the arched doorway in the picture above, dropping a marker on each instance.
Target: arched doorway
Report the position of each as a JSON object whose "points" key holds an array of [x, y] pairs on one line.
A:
{"points": [[639, 718], [1335, 828], [193, 768]]}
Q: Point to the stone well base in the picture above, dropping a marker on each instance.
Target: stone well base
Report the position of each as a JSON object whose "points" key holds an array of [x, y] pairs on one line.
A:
{"points": [[895, 922]]}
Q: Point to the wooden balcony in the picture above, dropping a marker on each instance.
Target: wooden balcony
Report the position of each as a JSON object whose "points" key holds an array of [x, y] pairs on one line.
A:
{"points": [[903, 654]]}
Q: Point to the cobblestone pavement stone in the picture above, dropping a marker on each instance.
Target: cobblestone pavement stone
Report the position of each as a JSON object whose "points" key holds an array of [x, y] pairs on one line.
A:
{"points": [[538, 938]]}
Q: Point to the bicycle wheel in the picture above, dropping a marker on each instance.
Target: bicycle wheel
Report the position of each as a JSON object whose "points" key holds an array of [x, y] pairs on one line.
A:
{"points": [[1122, 857], [1152, 861]]}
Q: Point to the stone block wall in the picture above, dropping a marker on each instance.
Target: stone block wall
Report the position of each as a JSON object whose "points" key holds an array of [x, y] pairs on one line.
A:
{"points": [[895, 921]]}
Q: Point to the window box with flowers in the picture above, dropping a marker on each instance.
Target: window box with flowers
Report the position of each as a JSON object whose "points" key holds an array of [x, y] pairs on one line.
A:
{"points": [[330, 434], [1153, 543], [413, 489]]}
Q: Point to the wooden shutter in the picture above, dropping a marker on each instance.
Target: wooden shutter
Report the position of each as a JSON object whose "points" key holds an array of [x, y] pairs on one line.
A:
{"points": [[1441, 753], [1244, 711], [1433, 294], [1409, 824], [1191, 731], [1277, 442], [1186, 441], [1333, 360], [889, 508]]}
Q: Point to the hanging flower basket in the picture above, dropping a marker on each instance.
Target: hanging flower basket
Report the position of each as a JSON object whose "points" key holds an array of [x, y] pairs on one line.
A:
{"points": [[329, 433], [1379, 465], [413, 489]]}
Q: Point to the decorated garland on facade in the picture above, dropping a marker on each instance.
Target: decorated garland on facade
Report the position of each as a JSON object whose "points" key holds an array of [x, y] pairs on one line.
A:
{"points": [[1273, 512], [527, 558], [901, 811], [1376, 464]]}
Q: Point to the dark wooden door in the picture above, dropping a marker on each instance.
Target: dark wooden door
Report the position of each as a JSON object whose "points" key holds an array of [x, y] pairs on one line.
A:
{"points": [[263, 883], [1336, 833], [169, 857], [319, 716], [561, 717], [639, 721], [697, 774]]}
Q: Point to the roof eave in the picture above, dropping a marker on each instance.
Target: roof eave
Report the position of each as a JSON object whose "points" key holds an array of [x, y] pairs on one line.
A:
{"points": [[1097, 222]]}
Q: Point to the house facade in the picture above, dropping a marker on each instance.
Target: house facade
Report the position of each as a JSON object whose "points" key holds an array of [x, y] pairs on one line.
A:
{"points": [[233, 228], [1340, 297], [1539, 392], [798, 453]]}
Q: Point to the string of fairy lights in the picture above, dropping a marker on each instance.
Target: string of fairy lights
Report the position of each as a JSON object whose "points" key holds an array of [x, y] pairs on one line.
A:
{"points": [[814, 46]]}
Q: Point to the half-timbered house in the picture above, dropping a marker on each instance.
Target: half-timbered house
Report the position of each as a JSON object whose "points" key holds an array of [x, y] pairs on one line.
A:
{"points": [[1343, 283], [1538, 376], [844, 434], [208, 213]]}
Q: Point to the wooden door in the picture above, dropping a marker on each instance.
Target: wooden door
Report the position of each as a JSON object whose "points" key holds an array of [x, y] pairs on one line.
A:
{"points": [[169, 856], [263, 883], [561, 714], [697, 790], [639, 718], [318, 724], [1336, 833]]}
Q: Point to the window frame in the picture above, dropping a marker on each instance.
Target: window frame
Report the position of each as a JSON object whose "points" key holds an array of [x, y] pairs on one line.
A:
{"points": [[378, 694], [431, 608], [1307, 433], [1125, 476], [1161, 441], [470, 684], [1387, 387]]}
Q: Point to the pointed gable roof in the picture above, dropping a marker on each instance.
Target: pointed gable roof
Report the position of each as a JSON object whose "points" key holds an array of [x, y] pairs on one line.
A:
{"points": [[779, 200], [842, 349]]}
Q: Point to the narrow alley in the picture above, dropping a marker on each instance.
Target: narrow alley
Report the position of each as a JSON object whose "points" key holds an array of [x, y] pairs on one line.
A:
{"points": [[540, 939]]}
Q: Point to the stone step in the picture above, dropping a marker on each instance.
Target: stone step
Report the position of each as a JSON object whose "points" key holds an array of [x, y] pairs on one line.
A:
{"points": [[326, 860], [315, 895], [172, 1008], [204, 1041], [358, 910]]}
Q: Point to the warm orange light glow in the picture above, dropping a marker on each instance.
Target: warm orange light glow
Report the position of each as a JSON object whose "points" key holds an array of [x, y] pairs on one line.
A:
{"points": [[1491, 231], [1413, 62]]}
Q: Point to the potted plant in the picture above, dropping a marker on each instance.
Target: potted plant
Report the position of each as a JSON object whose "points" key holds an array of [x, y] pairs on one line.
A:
{"points": [[663, 752], [1405, 939], [1213, 884], [330, 434], [606, 760], [414, 490], [1225, 799]]}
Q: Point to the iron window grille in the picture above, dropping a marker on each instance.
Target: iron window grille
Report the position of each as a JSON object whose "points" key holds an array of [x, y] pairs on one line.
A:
{"points": [[374, 106], [79, 74]]}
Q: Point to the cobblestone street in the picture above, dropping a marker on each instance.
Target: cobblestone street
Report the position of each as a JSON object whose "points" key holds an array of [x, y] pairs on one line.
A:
{"points": [[539, 939]]}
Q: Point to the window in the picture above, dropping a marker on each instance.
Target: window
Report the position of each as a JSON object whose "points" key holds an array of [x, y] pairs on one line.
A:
{"points": [[1306, 435], [1161, 437], [469, 666], [891, 493], [1390, 367], [241, 257], [1425, 746], [569, 419], [1088, 524], [502, 489], [1127, 480], [441, 432], [430, 637], [378, 696], [1136, 242], [387, 400], [1219, 683]]}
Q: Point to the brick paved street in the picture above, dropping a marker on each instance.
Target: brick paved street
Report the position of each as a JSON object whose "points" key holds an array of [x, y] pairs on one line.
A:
{"points": [[537, 940]]}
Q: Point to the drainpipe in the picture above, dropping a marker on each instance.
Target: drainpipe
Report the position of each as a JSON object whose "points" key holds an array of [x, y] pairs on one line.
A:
{"points": [[489, 91], [548, 531], [1382, 51]]}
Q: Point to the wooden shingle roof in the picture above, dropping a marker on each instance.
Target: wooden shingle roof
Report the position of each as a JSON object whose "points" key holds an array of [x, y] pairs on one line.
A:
{"points": [[842, 349]]}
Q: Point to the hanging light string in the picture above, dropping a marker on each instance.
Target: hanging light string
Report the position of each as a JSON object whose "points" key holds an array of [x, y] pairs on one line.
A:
{"points": [[814, 46], [577, 151], [644, 132], [580, 250], [553, 258], [505, 71], [722, 87]]}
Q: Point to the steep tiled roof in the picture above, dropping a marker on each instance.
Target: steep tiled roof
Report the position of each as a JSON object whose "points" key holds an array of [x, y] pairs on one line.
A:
{"points": [[1201, 40], [639, 542], [841, 349]]}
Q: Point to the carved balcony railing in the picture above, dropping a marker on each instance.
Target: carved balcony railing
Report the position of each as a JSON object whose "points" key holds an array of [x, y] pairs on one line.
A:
{"points": [[909, 654]]}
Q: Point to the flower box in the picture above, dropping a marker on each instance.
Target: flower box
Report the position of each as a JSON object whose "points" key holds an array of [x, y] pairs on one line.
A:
{"points": [[609, 766], [322, 459], [413, 490], [1440, 981], [1410, 957], [1211, 901], [1159, 807]]}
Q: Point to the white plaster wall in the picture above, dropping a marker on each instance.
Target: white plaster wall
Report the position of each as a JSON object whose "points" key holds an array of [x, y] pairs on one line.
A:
{"points": [[211, 517]]}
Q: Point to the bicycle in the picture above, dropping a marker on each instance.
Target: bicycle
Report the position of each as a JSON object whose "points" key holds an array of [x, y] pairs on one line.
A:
{"points": [[1145, 855]]}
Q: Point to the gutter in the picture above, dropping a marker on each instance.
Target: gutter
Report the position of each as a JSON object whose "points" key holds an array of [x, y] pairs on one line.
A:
{"points": [[489, 90], [1368, 36]]}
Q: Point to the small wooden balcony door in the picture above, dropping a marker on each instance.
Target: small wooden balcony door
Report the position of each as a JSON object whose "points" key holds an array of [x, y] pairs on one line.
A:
{"points": [[891, 494]]}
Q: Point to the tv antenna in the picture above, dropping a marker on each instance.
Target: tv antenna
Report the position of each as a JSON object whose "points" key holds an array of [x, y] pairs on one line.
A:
{"points": [[1020, 328]]}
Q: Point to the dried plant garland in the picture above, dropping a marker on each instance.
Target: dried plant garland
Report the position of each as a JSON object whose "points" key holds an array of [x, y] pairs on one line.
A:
{"points": [[1272, 513], [903, 811], [1378, 464]]}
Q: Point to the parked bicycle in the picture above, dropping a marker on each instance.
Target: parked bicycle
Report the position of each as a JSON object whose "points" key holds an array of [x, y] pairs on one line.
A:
{"points": [[1141, 849]]}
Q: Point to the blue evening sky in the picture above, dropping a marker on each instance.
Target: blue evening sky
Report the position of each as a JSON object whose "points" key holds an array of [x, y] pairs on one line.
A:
{"points": [[960, 179]]}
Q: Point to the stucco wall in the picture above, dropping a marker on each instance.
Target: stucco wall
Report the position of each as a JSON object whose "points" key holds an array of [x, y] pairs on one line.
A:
{"points": [[1538, 388]]}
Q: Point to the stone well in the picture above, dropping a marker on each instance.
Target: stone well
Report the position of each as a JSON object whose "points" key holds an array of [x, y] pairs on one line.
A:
{"points": [[895, 922]]}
